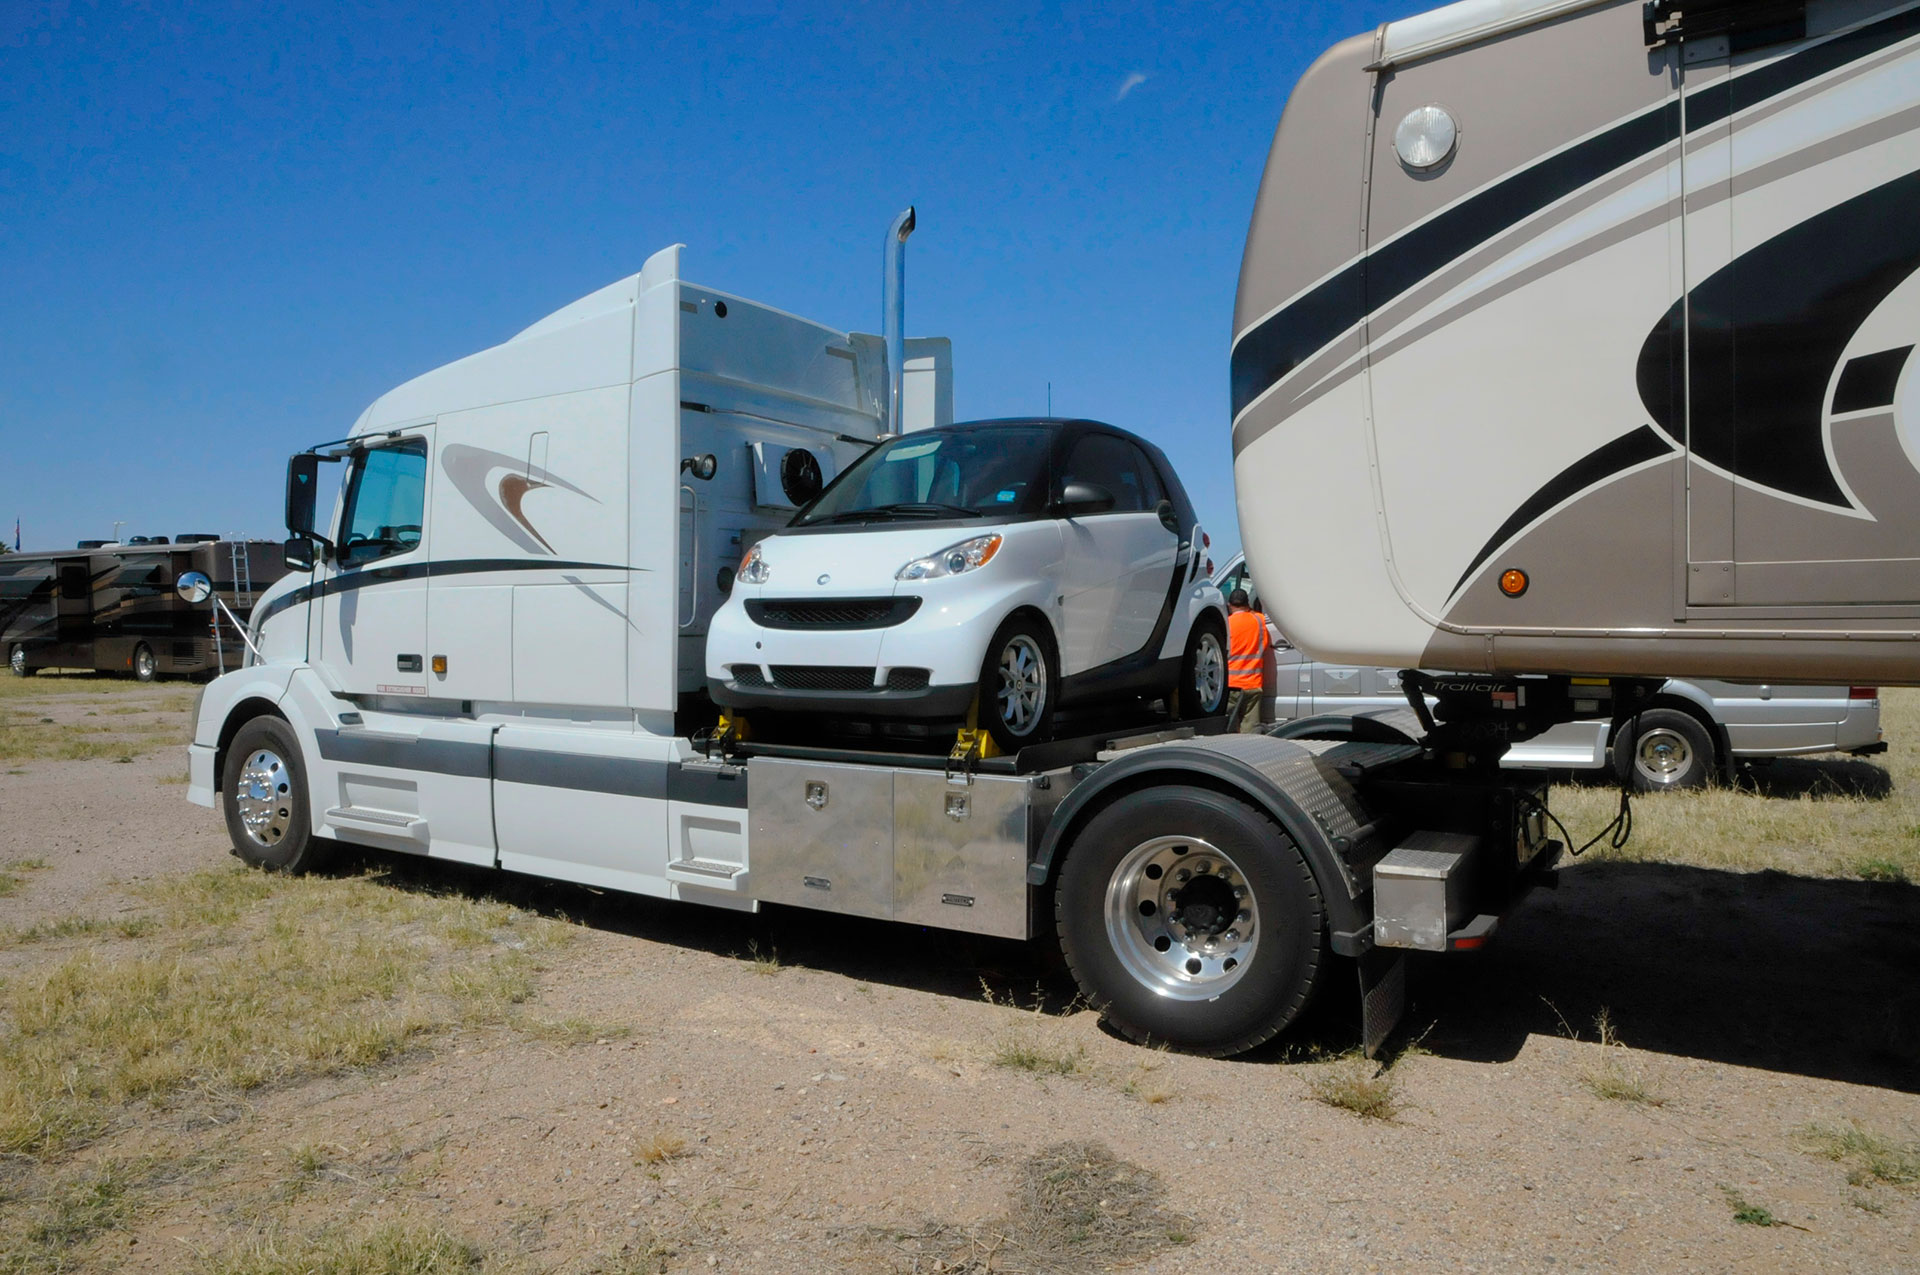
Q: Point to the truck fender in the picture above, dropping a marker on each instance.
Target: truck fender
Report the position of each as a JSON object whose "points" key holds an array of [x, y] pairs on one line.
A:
{"points": [[1283, 779]]}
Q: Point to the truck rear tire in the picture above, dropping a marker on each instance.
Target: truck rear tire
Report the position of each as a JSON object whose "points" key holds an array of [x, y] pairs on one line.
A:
{"points": [[264, 794], [1664, 750], [1190, 919]]}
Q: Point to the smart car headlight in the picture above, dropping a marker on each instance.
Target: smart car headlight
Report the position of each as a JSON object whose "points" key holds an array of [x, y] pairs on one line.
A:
{"points": [[952, 560], [753, 568]]}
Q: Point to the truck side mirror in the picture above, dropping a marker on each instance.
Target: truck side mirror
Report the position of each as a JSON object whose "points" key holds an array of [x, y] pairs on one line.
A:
{"points": [[303, 479], [1084, 498], [297, 553]]}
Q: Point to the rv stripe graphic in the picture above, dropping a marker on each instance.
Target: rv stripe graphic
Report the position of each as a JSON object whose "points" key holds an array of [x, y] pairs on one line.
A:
{"points": [[1266, 353], [1784, 311]]}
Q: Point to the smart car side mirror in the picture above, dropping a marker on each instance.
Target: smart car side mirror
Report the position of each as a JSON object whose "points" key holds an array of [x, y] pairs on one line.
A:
{"points": [[1084, 498], [1165, 510]]}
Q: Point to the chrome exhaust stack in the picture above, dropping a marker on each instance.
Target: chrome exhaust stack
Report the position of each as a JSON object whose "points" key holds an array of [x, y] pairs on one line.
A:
{"points": [[893, 318]]}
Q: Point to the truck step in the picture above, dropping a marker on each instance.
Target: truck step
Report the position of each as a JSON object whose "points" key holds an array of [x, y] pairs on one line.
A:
{"points": [[715, 874]]}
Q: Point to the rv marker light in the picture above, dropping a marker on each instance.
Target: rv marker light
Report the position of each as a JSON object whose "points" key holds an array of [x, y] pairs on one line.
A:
{"points": [[1513, 582]]}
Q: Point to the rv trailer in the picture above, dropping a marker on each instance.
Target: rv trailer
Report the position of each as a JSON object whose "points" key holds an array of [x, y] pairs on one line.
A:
{"points": [[114, 608], [1575, 425]]}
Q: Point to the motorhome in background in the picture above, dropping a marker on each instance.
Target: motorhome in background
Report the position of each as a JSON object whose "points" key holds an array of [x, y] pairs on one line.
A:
{"points": [[114, 609]]}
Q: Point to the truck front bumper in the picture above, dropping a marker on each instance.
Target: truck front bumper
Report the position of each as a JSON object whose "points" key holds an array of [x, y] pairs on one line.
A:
{"points": [[200, 779]]}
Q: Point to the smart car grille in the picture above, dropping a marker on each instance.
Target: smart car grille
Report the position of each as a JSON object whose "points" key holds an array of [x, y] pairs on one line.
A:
{"points": [[747, 675], [907, 679], [831, 613], [822, 677]]}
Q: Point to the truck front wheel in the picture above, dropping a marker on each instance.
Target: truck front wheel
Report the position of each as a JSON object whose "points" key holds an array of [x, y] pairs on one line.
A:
{"points": [[264, 795], [1190, 919]]}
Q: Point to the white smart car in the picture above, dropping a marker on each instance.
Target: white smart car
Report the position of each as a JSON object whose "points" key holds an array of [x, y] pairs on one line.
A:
{"points": [[1001, 569]]}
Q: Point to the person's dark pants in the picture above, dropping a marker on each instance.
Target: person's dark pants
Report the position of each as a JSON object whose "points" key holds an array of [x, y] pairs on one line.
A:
{"points": [[1244, 702]]}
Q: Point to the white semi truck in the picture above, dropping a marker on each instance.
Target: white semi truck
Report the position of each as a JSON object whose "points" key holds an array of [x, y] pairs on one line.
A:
{"points": [[1581, 329]]}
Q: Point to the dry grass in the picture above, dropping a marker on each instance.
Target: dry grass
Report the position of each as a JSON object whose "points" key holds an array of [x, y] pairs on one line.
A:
{"points": [[1076, 1207], [13, 875], [1023, 1050], [1619, 1075], [1869, 1157], [767, 962], [1353, 1083], [394, 1249], [1820, 816], [243, 980], [657, 1148]]}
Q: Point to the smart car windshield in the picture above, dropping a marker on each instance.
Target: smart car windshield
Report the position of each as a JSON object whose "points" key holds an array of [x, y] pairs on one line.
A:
{"points": [[969, 473]]}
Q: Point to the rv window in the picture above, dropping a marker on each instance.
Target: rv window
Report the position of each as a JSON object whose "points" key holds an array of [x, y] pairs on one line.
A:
{"points": [[386, 503]]}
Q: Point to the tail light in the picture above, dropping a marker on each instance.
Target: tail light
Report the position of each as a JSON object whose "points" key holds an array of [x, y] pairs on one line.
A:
{"points": [[1863, 692], [1206, 541]]}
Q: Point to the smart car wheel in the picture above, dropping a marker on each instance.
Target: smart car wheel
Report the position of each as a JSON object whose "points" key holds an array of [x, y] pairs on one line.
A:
{"points": [[1018, 685], [1203, 673]]}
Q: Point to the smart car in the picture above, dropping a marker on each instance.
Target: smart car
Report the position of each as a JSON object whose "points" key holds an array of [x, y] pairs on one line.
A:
{"points": [[992, 570]]}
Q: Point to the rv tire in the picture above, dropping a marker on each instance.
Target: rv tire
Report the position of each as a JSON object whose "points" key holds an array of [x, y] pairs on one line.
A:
{"points": [[17, 661], [263, 791], [145, 667], [1191, 920]]}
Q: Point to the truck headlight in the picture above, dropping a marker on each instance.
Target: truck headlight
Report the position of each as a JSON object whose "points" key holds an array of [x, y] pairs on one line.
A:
{"points": [[753, 568], [952, 560]]}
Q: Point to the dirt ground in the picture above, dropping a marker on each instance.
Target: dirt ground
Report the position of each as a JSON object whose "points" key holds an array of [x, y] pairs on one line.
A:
{"points": [[791, 1092]]}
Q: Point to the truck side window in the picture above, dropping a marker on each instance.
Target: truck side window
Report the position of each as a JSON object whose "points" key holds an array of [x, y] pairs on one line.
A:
{"points": [[386, 503]]}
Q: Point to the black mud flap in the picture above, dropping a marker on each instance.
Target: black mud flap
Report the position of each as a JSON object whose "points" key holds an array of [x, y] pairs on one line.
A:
{"points": [[1383, 996]]}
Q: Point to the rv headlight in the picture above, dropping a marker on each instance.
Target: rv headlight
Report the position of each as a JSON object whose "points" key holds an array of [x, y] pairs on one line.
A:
{"points": [[753, 568], [1425, 137], [952, 560]]}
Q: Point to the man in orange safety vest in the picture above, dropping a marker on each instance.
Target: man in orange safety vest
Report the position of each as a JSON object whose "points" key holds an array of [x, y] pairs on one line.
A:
{"points": [[1249, 639]]}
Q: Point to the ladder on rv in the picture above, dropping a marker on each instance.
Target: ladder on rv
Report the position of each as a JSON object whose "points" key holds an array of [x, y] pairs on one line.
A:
{"points": [[240, 583]]}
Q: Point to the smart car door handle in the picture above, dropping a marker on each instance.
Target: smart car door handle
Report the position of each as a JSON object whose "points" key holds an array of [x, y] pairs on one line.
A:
{"points": [[407, 663]]}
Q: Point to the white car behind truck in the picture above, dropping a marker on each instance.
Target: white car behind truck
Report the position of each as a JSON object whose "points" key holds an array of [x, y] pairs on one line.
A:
{"points": [[1492, 244], [1690, 732]]}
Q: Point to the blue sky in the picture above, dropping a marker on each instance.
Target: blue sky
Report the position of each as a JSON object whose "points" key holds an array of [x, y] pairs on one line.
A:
{"points": [[225, 228]]}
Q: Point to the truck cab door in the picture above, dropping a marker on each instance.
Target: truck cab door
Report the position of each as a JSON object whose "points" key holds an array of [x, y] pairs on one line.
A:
{"points": [[372, 636]]}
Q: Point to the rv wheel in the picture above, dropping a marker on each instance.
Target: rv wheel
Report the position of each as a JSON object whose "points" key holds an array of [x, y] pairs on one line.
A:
{"points": [[1203, 672], [1018, 685], [17, 661], [145, 667], [1190, 919], [1662, 750], [264, 793]]}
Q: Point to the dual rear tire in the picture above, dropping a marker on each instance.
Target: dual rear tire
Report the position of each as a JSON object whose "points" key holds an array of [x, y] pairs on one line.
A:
{"points": [[1190, 919]]}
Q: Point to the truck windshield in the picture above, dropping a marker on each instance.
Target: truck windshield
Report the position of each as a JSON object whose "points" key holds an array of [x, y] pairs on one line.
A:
{"points": [[974, 473]]}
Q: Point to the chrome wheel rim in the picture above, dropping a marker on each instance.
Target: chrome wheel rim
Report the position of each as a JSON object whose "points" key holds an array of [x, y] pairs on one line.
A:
{"points": [[143, 663], [1209, 673], [1023, 684], [1181, 918], [1663, 756], [18, 661], [263, 795]]}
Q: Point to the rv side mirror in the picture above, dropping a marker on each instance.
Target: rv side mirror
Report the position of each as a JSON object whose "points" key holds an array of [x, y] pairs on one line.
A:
{"points": [[194, 587], [1084, 498], [303, 479], [297, 553]]}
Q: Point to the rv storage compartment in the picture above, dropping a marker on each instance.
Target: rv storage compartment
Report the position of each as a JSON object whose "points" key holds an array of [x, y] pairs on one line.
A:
{"points": [[1420, 890]]}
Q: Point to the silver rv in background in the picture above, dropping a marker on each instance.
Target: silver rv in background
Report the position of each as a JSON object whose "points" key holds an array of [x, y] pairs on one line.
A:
{"points": [[1690, 732]]}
